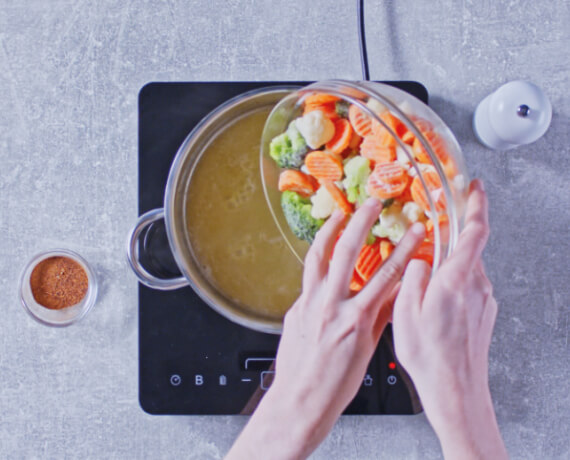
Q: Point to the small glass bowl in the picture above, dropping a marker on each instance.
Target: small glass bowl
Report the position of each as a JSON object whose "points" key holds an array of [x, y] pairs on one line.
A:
{"points": [[65, 316]]}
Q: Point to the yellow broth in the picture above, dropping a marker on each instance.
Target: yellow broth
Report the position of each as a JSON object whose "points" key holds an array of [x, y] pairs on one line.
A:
{"points": [[232, 232]]}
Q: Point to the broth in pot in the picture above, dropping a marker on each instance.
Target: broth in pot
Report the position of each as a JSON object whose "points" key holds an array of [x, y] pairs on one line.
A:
{"points": [[232, 232]]}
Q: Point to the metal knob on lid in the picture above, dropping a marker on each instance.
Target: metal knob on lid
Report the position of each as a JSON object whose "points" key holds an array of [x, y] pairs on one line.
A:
{"points": [[515, 114]]}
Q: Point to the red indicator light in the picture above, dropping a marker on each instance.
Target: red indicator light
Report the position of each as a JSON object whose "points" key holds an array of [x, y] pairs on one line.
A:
{"points": [[392, 365]]}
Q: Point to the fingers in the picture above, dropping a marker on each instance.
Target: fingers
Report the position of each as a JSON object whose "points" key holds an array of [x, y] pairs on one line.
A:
{"points": [[317, 258], [414, 285], [385, 314], [379, 287], [473, 238], [349, 245]]}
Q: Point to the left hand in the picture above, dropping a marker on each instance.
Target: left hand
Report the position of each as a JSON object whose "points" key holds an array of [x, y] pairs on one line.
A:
{"points": [[329, 337]]}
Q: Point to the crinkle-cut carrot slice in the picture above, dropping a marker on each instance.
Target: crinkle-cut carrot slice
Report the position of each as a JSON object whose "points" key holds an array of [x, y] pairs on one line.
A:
{"points": [[361, 123], [339, 197], [298, 182], [341, 138], [356, 283], [320, 98], [368, 260], [387, 180], [390, 172], [435, 189], [324, 166], [443, 221], [423, 126], [355, 140], [383, 135], [386, 248], [405, 196], [425, 252], [328, 109], [370, 148], [437, 144]]}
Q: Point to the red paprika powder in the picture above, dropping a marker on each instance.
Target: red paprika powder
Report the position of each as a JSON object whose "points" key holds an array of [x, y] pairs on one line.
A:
{"points": [[58, 282]]}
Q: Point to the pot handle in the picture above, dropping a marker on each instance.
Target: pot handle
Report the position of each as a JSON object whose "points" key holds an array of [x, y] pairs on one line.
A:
{"points": [[146, 278]]}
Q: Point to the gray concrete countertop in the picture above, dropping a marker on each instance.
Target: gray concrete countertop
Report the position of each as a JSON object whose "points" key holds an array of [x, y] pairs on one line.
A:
{"points": [[70, 72]]}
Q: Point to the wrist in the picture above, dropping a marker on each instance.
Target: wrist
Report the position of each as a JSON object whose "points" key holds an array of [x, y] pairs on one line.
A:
{"points": [[465, 423], [280, 428]]}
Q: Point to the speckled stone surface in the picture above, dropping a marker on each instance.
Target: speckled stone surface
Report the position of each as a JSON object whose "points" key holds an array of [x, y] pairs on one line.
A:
{"points": [[70, 72]]}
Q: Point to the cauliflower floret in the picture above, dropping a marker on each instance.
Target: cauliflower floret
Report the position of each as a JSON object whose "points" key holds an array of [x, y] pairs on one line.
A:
{"points": [[422, 167], [315, 128], [406, 107], [413, 212], [396, 219], [323, 204], [393, 223], [402, 158], [375, 106]]}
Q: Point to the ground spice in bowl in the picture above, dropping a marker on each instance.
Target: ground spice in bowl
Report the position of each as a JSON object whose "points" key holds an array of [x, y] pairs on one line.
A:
{"points": [[58, 282]]}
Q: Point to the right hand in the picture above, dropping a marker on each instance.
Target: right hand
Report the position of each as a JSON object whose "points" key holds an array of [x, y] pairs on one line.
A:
{"points": [[442, 332]]}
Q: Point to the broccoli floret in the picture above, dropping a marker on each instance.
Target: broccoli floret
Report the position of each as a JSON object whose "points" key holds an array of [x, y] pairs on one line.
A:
{"points": [[357, 170], [289, 149], [341, 108], [297, 211]]}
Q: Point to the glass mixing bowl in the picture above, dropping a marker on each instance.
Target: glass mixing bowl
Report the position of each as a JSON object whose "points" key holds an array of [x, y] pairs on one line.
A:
{"points": [[423, 124]]}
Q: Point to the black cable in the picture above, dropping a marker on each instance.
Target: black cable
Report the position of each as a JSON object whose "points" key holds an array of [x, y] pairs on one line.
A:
{"points": [[362, 40]]}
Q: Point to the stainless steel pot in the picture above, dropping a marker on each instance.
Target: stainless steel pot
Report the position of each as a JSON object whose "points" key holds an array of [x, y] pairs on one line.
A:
{"points": [[173, 213]]}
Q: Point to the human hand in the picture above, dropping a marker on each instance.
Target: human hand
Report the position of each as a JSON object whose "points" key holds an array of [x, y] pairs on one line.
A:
{"points": [[442, 333], [329, 337]]}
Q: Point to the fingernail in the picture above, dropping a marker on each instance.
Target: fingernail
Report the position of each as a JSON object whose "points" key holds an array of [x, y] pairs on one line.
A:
{"points": [[418, 228], [337, 214], [479, 185], [372, 203]]}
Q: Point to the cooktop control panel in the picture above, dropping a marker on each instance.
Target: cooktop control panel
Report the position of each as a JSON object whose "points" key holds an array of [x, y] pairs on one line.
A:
{"points": [[191, 359]]}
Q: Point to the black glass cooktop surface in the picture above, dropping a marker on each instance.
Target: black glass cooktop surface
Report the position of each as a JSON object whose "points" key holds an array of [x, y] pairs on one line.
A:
{"points": [[191, 359]]}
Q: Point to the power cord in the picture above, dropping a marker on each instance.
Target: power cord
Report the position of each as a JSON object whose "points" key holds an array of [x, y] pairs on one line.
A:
{"points": [[362, 40]]}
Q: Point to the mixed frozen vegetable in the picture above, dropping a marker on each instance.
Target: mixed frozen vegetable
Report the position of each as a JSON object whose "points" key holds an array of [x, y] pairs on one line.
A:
{"points": [[336, 156]]}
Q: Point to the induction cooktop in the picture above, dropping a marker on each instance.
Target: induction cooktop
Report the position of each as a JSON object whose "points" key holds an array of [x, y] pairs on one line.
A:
{"points": [[191, 359]]}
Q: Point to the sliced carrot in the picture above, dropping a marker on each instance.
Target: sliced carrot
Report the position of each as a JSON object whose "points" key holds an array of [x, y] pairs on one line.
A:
{"points": [[328, 109], [320, 98], [435, 189], [387, 180], [355, 140], [370, 148], [383, 135], [423, 126], [437, 144], [368, 260], [296, 181], [443, 221], [324, 166], [339, 197], [361, 123], [386, 248], [341, 138], [425, 252], [390, 172], [356, 283], [405, 196]]}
